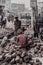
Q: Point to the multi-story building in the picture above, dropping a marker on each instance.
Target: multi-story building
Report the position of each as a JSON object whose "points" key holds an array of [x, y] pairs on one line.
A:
{"points": [[17, 8], [8, 4], [34, 12], [4, 5], [40, 8], [2, 2]]}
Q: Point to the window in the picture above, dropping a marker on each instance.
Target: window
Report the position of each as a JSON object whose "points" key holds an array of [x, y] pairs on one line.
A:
{"points": [[33, 0], [0, 1], [3, 1]]}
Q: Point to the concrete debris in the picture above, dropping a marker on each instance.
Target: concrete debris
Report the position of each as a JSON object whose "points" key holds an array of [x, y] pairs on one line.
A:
{"points": [[12, 54]]}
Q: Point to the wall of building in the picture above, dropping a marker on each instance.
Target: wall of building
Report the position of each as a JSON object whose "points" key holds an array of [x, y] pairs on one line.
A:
{"points": [[2, 2], [40, 8], [8, 4], [17, 7]]}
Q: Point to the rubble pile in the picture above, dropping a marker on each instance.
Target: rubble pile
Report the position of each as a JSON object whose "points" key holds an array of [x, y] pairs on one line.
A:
{"points": [[6, 31], [37, 50], [13, 54]]}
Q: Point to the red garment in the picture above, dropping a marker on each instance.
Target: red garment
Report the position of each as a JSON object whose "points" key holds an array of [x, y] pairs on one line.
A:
{"points": [[22, 39]]}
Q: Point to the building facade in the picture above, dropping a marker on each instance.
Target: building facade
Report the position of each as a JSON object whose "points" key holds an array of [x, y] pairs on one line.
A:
{"points": [[17, 7], [4, 5], [8, 4], [34, 12], [40, 8], [2, 2]]}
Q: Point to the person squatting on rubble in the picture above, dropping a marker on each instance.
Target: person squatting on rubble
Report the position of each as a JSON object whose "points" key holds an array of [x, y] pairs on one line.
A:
{"points": [[4, 41], [22, 39], [17, 24]]}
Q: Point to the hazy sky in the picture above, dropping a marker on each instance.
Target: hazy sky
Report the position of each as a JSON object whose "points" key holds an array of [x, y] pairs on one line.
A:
{"points": [[26, 2]]}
